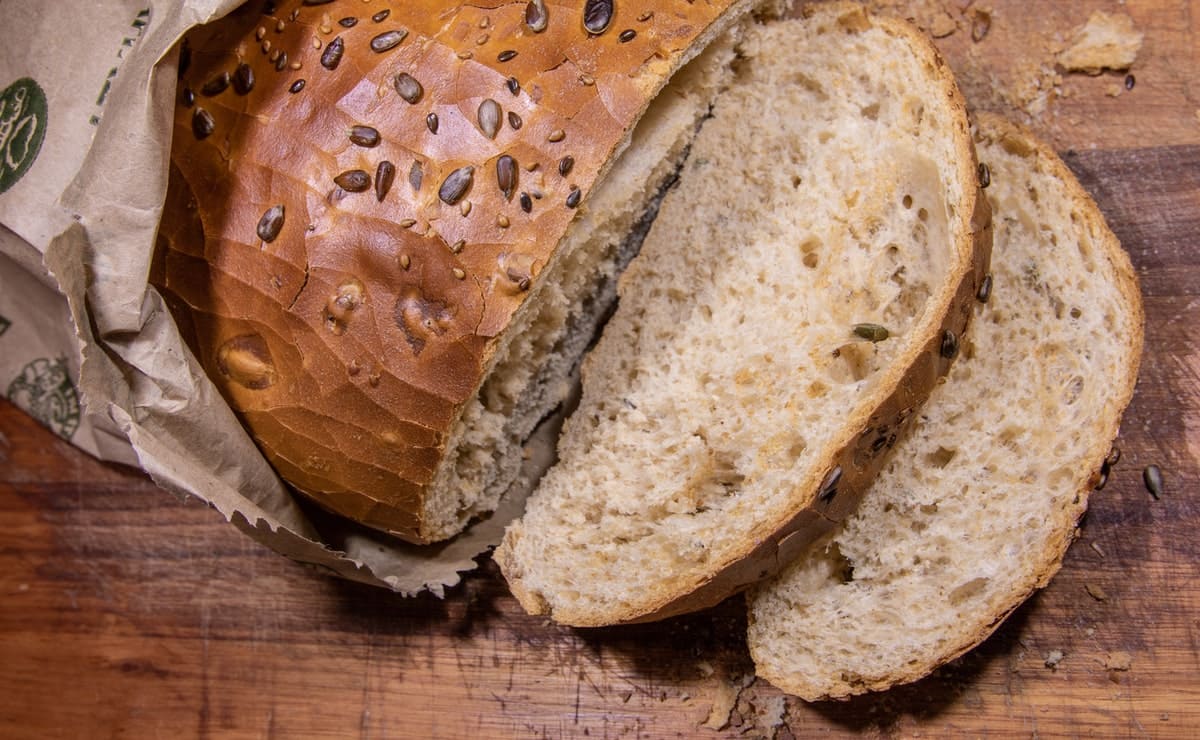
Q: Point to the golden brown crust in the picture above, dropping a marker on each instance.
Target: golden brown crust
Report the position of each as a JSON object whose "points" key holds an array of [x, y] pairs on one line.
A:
{"points": [[858, 455], [363, 317]]}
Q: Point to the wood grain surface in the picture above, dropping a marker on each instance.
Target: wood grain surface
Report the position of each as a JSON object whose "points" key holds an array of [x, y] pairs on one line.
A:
{"points": [[127, 613]]}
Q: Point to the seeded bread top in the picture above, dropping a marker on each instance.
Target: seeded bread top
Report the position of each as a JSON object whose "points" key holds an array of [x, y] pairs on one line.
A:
{"points": [[362, 195]]}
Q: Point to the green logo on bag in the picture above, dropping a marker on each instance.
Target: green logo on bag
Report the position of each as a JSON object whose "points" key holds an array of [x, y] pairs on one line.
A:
{"points": [[44, 391], [4, 324], [22, 129]]}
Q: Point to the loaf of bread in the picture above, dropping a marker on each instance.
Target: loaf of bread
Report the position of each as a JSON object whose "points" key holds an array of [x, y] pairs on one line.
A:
{"points": [[974, 510], [799, 295], [364, 234]]}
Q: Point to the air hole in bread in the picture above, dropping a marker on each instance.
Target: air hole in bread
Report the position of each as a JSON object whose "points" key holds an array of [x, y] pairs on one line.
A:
{"points": [[940, 457], [967, 590]]}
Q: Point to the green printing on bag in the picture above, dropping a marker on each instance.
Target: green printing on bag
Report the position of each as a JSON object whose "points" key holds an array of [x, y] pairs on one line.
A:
{"points": [[44, 391], [23, 119]]}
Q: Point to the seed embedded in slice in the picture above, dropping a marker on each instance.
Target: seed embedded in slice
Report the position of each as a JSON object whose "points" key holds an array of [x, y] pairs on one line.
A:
{"points": [[216, 85]]}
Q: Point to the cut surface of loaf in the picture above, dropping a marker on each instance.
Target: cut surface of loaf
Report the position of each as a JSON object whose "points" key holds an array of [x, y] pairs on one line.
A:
{"points": [[730, 403], [366, 219], [975, 509]]}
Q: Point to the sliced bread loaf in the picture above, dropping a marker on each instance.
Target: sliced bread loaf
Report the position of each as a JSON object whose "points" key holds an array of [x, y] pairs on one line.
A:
{"points": [[975, 509], [798, 296]]}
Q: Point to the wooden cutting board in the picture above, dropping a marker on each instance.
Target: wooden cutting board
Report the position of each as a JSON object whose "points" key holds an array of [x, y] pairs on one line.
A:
{"points": [[127, 613]]}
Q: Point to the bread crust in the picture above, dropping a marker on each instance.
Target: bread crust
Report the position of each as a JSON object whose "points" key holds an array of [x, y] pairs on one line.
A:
{"points": [[349, 330], [993, 129], [903, 388]]}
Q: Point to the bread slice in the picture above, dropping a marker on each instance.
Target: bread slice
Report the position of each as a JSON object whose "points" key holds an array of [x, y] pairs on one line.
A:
{"points": [[975, 510], [730, 404]]}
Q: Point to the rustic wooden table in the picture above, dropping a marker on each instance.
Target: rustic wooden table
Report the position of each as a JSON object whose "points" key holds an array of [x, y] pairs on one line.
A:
{"points": [[124, 612]]}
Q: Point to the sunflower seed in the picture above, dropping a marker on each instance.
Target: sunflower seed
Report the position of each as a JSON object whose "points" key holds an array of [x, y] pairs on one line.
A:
{"points": [[332, 56], [202, 124], [381, 16], [431, 122], [316, 2], [565, 165], [949, 346], [349, 22], [985, 176], [556, 136], [187, 98], [281, 62], [506, 175], [984, 293], [216, 85], [385, 174], [489, 117], [526, 202], [408, 87], [1114, 457], [364, 136], [513, 85], [536, 16], [829, 485], [243, 79], [297, 86], [353, 181], [627, 35], [574, 197], [597, 14], [388, 40], [456, 185], [515, 121], [871, 332], [506, 55], [1152, 477], [416, 175], [1130, 81], [271, 223], [980, 25]]}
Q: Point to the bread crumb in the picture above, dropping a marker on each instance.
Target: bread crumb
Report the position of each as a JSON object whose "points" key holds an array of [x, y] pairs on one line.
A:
{"points": [[1053, 658], [1104, 42], [942, 26], [1118, 661], [1114, 91], [705, 668], [1096, 592], [723, 703]]}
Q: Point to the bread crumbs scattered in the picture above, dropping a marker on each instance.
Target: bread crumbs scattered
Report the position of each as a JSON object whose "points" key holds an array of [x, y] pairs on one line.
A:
{"points": [[1104, 42], [724, 701], [1118, 661], [942, 26], [1053, 658], [1114, 91], [1095, 592]]}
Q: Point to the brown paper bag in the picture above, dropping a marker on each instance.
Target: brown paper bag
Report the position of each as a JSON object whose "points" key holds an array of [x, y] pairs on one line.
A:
{"points": [[86, 345]]}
